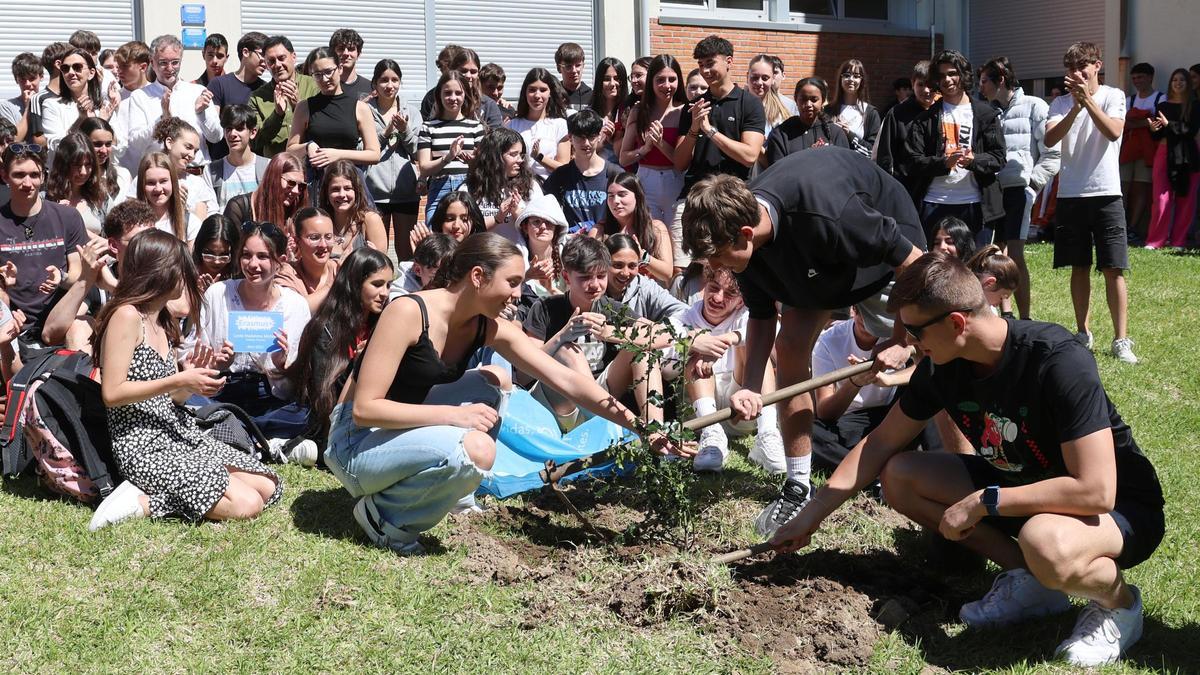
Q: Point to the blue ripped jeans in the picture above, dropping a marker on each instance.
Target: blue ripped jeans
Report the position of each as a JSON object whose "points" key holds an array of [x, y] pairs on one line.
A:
{"points": [[410, 478]]}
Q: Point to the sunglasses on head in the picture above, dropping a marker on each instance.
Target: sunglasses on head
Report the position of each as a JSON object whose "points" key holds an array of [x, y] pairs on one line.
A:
{"points": [[25, 149], [915, 332], [266, 226]]}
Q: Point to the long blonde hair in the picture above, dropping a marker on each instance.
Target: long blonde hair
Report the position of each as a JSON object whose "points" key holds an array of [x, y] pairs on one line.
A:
{"points": [[773, 105], [176, 209]]}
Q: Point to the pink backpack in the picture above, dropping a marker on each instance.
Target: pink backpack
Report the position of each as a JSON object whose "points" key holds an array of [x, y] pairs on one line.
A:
{"points": [[57, 422]]}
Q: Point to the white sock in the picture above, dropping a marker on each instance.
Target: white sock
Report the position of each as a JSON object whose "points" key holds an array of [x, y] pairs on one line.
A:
{"points": [[768, 419], [705, 405], [798, 468]]}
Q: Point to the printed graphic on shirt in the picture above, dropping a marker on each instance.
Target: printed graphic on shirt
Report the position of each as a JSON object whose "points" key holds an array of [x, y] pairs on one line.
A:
{"points": [[957, 134], [998, 438]]}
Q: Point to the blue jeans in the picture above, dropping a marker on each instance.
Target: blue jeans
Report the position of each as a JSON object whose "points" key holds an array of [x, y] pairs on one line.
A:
{"points": [[410, 478], [439, 187]]}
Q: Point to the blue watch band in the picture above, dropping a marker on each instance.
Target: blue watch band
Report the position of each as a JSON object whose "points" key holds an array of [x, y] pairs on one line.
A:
{"points": [[991, 499]]}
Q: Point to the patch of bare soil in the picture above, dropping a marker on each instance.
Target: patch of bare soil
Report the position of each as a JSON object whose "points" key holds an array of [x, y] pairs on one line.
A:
{"points": [[820, 611]]}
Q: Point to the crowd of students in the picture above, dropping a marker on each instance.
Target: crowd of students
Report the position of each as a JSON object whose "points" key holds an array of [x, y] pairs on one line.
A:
{"points": [[785, 236]]}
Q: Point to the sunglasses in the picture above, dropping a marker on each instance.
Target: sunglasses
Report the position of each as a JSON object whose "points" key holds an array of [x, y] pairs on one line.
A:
{"points": [[216, 259], [18, 149], [74, 67], [915, 332], [268, 228]]}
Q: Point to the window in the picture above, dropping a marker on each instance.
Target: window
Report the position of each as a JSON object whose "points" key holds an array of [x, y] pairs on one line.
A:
{"points": [[715, 6], [865, 9], [818, 7], [844, 9]]}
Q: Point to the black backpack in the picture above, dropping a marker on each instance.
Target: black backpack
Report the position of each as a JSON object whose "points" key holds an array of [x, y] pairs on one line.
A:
{"points": [[56, 417]]}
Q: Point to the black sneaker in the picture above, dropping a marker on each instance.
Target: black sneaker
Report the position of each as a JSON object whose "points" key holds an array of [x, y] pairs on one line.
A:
{"points": [[792, 497]]}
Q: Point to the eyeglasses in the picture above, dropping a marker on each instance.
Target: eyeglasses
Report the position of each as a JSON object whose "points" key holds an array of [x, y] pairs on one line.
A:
{"points": [[915, 332], [326, 73], [168, 64], [73, 67], [216, 259]]}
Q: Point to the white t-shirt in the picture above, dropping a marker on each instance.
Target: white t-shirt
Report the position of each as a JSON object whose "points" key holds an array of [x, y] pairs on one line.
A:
{"points": [[407, 282], [1148, 103], [221, 298], [852, 115], [236, 180], [192, 229], [959, 186], [549, 130], [835, 344], [1090, 162], [694, 318]]}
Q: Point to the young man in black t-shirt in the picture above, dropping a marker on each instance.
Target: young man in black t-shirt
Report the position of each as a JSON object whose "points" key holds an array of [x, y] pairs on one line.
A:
{"points": [[721, 132], [817, 231], [1059, 495], [581, 185], [39, 238], [568, 58]]}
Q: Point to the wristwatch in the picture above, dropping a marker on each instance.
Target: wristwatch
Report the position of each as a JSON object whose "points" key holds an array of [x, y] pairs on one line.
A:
{"points": [[991, 499]]}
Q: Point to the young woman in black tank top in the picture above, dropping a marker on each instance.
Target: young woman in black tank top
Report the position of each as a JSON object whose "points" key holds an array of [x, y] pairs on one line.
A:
{"points": [[330, 125], [413, 432]]}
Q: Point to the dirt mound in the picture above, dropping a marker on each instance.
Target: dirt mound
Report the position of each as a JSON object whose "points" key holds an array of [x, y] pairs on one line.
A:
{"points": [[655, 593], [808, 626]]}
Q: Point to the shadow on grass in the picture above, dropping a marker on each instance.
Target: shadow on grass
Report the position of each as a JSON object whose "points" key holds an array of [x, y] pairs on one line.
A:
{"points": [[931, 600], [326, 513], [27, 486]]}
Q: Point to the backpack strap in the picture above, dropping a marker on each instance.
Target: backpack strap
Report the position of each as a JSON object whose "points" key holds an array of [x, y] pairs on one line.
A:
{"points": [[83, 449], [12, 434], [256, 434]]}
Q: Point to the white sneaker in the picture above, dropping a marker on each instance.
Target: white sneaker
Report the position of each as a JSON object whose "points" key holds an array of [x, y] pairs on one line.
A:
{"points": [[304, 453], [768, 451], [1122, 350], [1016, 595], [377, 536], [714, 446], [1102, 635], [1085, 338], [123, 503], [467, 505]]}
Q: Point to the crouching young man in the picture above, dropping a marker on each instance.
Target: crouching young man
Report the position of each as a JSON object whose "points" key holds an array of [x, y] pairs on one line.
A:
{"points": [[817, 231], [1059, 495]]}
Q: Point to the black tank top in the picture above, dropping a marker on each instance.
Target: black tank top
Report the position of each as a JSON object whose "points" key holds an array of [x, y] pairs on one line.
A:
{"points": [[332, 122], [422, 367]]}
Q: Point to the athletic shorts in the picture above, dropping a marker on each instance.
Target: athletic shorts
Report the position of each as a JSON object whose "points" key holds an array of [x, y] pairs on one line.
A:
{"points": [[726, 387], [1137, 171], [1018, 202], [1142, 526], [1086, 222]]}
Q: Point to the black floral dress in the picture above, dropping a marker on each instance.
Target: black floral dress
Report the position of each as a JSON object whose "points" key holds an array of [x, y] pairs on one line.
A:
{"points": [[159, 448]]}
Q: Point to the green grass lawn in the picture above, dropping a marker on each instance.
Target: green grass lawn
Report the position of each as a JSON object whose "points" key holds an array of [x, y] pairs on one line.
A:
{"points": [[300, 590]]}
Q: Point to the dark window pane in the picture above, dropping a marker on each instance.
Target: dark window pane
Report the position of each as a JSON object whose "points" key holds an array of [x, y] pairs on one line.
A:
{"points": [[698, 3], [740, 4], [866, 9], [820, 7]]}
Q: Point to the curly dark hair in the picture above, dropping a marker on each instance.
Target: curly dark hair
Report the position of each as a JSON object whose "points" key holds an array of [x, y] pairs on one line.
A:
{"points": [[485, 175], [960, 62]]}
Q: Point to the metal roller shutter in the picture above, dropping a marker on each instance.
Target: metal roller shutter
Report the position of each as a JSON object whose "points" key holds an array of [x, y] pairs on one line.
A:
{"points": [[1034, 34], [30, 26], [390, 29], [518, 36]]}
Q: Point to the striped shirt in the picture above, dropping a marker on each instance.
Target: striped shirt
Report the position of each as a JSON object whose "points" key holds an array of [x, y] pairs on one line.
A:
{"points": [[438, 135]]}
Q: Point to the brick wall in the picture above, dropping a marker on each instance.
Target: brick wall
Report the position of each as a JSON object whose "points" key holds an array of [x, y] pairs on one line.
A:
{"points": [[805, 54]]}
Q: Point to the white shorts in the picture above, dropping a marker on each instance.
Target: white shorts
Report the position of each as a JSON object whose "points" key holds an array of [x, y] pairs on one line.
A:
{"points": [[726, 386]]}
